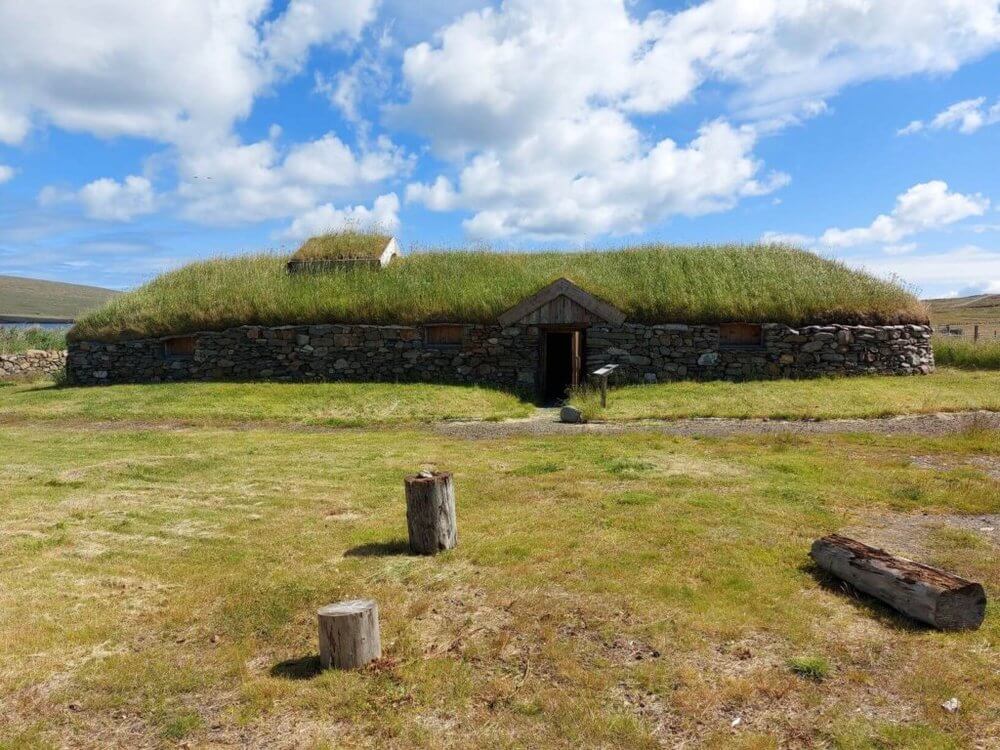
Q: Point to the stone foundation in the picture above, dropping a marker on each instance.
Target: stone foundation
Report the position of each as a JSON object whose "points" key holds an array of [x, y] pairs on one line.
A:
{"points": [[34, 363], [505, 357]]}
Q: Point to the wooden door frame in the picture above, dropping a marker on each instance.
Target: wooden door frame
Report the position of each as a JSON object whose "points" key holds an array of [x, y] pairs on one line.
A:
{"points": [[580, 329]]}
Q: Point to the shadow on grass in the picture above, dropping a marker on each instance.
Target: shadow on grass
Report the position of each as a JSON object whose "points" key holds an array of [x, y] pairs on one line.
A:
{"points": [[380, 549], [864, 603], [303, 668]]}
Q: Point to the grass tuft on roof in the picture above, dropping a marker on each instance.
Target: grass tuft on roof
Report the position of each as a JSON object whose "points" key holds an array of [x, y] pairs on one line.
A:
{"points": [[650, 284], [346, 244]]}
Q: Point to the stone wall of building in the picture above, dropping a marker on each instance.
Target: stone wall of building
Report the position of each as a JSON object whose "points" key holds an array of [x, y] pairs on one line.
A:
{"points": [[506, 357], [490, 355], [34, 363], [676, 352]]}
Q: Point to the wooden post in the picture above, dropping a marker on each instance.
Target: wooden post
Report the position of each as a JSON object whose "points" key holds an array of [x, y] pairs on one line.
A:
{"points": [[975, 333], [430, 512], [349, 634], [928, 594]]}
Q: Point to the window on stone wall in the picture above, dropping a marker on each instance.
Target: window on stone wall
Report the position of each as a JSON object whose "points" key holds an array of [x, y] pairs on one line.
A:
{"points": [[444, 336], [178, 347], [740, 335]]}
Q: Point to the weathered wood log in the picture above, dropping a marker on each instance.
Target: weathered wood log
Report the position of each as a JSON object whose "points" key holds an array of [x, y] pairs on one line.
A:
{"points": [[349, 634], [430, 512], [928, 594]]}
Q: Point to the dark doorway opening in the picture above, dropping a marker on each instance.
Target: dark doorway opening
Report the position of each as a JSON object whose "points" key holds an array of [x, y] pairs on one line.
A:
{"points": [[561, 358]]}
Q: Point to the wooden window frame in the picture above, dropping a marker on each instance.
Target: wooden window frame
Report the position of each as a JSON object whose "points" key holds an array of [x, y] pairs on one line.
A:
{"points": [[179, 347], [432, 332], [745, 343]]}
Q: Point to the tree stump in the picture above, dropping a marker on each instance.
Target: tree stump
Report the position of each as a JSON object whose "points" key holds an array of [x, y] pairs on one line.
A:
{"points": [[349, 634], [430, 512], [928, 594]]}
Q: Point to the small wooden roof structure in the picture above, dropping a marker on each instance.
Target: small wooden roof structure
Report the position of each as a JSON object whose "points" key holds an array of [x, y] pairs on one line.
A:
{"points": [[562, 303]]}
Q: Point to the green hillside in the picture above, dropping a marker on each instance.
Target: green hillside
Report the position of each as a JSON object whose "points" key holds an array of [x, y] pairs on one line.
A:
{"points": [[34, 299], [980, 308]]}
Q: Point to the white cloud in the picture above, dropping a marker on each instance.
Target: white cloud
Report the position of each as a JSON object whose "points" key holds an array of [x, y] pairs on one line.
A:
{"points": [[534, 101], [900, 249], [109, 200], [966, 117], [309, 22], [175, 72], [383, 214], [929, 205], [181, 73], [237, 182], [439, 196], [586, 178], [965, 266], [787, 238], [6, 173]]}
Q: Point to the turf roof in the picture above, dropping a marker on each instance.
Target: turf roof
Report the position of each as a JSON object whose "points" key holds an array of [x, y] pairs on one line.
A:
{"points": [[650, 284], [343, 245]]}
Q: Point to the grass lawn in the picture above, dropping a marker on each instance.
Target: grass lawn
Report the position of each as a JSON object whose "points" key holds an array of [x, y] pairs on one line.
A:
{"points": [[825, 398], [966, 354], [335, 404], [607, 591], [361, 404]]}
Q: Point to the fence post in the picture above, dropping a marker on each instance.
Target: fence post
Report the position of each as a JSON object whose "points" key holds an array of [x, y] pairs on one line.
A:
{"points": [[975, 333]]}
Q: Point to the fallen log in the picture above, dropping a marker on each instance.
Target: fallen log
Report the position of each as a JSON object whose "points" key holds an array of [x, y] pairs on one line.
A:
{"points": [[430, 512], [928, 594]]}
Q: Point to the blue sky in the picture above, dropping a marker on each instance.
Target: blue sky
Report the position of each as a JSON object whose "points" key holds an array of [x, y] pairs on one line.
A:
{"points": [[135, 137]]}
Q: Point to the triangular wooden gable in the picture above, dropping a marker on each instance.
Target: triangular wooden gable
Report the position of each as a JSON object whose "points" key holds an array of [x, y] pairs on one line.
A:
{"points": [[564, 302]]}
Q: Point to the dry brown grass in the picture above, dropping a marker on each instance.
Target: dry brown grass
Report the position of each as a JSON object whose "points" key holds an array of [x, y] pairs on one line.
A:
{"points": [[637, 591]]}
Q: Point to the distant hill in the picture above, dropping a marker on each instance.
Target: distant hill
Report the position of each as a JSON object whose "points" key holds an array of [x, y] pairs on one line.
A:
{"points": [[980, 308], [31, 299]]}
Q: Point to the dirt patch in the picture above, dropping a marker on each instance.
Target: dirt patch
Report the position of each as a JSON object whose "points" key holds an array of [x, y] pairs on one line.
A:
{"points": [[987, 464], [924, 424], [908, 535]]}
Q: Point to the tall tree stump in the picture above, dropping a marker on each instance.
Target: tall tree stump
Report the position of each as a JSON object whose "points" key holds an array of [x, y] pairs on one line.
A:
{"points": [[349, 634], [430, 512], [928, 594]]}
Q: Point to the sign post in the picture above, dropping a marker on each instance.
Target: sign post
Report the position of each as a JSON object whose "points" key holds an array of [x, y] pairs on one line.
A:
{"points": [[601, 376]]}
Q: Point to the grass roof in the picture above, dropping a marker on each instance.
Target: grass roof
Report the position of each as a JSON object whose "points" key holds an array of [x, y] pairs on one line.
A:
{"points": [[650, 284], [348, 244]]}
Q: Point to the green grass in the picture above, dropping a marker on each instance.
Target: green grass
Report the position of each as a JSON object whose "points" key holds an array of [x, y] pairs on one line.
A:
{"points": [[822, 398], [359, 404], [343, 245], [963, 353], [650, 284], [17, 340], [814, 667], [631, 591], [335, 404], [30, 298]]}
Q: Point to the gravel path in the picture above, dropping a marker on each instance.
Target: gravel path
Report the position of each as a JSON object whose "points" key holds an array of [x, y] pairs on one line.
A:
{"points": [[546, 422]]}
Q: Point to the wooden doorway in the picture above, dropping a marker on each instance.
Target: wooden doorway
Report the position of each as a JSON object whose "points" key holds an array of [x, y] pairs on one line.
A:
{"points": [[560, 362]]}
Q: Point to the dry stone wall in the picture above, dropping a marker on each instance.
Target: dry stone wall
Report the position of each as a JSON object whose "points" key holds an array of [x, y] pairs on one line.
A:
{"points": [[490, 355], [505, 357], [34, 363], [677, 352]]}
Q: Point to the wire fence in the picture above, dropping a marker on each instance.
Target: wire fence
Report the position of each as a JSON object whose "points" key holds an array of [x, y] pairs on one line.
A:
{"points": [[975, 332]]}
